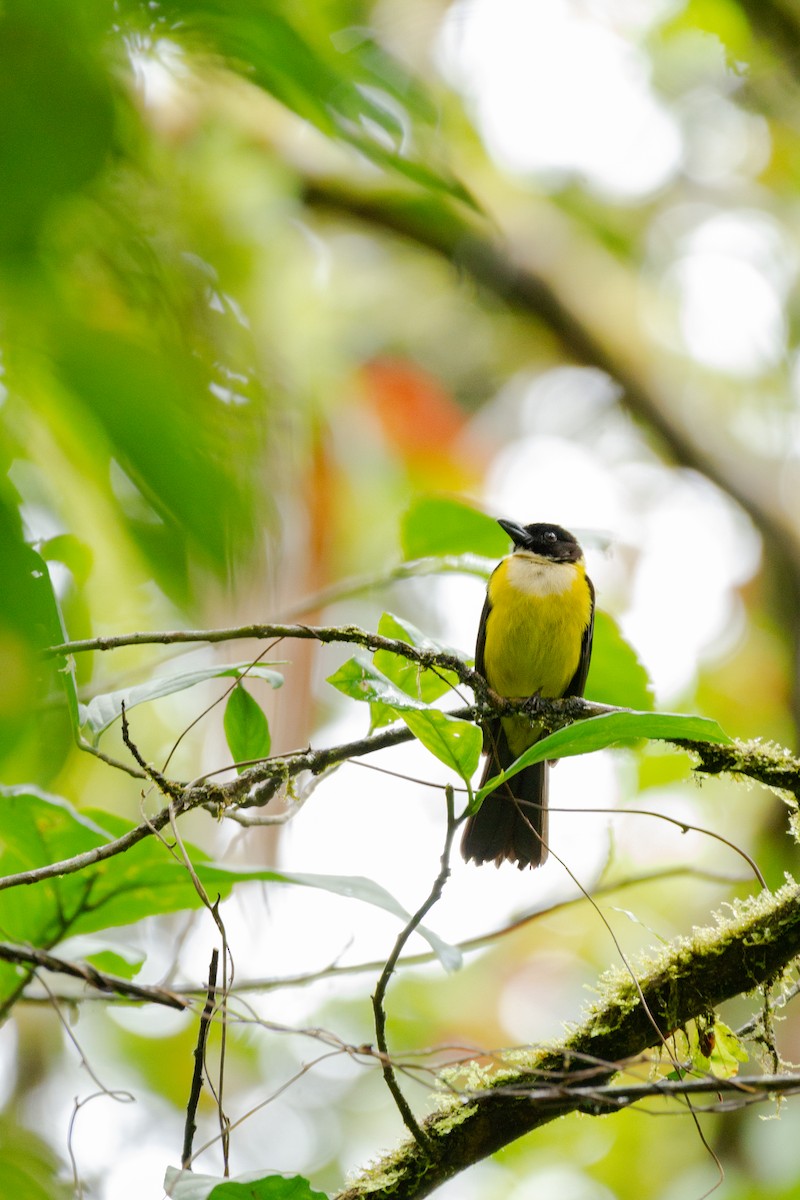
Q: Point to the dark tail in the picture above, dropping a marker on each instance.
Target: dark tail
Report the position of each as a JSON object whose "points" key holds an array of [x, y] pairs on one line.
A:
{"points": [[512, 821]]}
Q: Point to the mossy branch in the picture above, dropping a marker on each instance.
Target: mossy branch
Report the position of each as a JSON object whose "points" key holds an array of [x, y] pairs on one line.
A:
{"points": [[258, 785], [763, 762], [759, 761], [745, 949]]}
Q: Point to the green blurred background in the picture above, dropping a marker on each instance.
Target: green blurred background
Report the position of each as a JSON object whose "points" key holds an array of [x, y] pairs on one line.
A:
{"points": [[270, 275]]}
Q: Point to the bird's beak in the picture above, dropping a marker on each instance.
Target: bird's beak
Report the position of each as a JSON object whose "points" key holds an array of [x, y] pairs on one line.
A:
{"points": [[518, 534]]}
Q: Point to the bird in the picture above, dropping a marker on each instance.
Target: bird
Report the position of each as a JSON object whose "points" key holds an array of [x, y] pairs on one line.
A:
{"points": [[534, 640]]}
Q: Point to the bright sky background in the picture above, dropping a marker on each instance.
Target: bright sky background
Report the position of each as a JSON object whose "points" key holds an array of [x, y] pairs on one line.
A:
{"points": [[529, 70]]}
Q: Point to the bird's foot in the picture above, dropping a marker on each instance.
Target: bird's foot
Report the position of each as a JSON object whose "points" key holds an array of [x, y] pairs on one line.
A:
{"points": [[532, 705]]}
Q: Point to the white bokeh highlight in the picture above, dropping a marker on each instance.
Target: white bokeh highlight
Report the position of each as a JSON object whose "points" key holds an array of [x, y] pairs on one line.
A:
{"points": [[557, 92]]}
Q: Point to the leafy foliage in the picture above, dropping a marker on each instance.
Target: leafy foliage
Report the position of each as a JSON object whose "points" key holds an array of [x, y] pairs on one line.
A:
{"points": [[445, 525]]}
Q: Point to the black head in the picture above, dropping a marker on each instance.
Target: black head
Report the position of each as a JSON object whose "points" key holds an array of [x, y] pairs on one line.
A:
{"points": [[550, 541]]}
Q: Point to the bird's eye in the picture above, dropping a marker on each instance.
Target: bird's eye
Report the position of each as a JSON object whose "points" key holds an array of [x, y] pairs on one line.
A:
{"points": [[550, 536]]}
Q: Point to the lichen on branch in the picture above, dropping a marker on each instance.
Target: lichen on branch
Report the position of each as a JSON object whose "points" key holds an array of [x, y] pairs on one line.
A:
{"points": [[747, 947]]}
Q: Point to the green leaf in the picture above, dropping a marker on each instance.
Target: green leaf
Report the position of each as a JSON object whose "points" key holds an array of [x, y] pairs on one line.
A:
{"points": [[72, 552], [616, 676], [188, 1185], [38, 829], [56, 113], [103, 710], [380, 715], [30, 619], [455, 743], [246, 727], [28, 1167], [360, 680], [727, 1053], [443, 525], [420, 683], [597, 733], [184, 457], [28, 603], [297, 57], [112, 963]]}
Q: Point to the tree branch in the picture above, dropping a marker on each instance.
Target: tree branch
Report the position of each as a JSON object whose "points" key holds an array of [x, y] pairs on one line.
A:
{"points": [[190, 1126], [101, 980], [320, 633], [256, 786], [599, 1101], [690, 977]]}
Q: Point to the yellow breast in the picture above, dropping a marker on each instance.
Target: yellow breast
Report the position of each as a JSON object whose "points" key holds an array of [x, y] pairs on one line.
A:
{"points": [[539, 612]]}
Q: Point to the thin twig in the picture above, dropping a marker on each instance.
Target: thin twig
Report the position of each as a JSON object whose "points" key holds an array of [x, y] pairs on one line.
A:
{"points": [[597, 1101], [108, 759], [190, 1127], [684, 826], [103, 1093], [756, 1022], [351, 634], [171, 790], [25, 956], [69, 1034], [213, 909], [424, 1141], [279, 1091]]}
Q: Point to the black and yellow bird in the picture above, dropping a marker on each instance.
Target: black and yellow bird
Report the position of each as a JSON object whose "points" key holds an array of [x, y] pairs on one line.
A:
{"points": [[534, 640]]}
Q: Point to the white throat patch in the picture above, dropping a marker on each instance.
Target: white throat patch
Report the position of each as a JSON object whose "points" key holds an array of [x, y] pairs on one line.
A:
{"points": [[540, 576]]}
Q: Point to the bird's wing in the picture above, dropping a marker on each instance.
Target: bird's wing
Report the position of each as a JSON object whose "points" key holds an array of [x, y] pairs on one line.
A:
{"points": [[578, 681], [491, 728], [480, 646]]}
